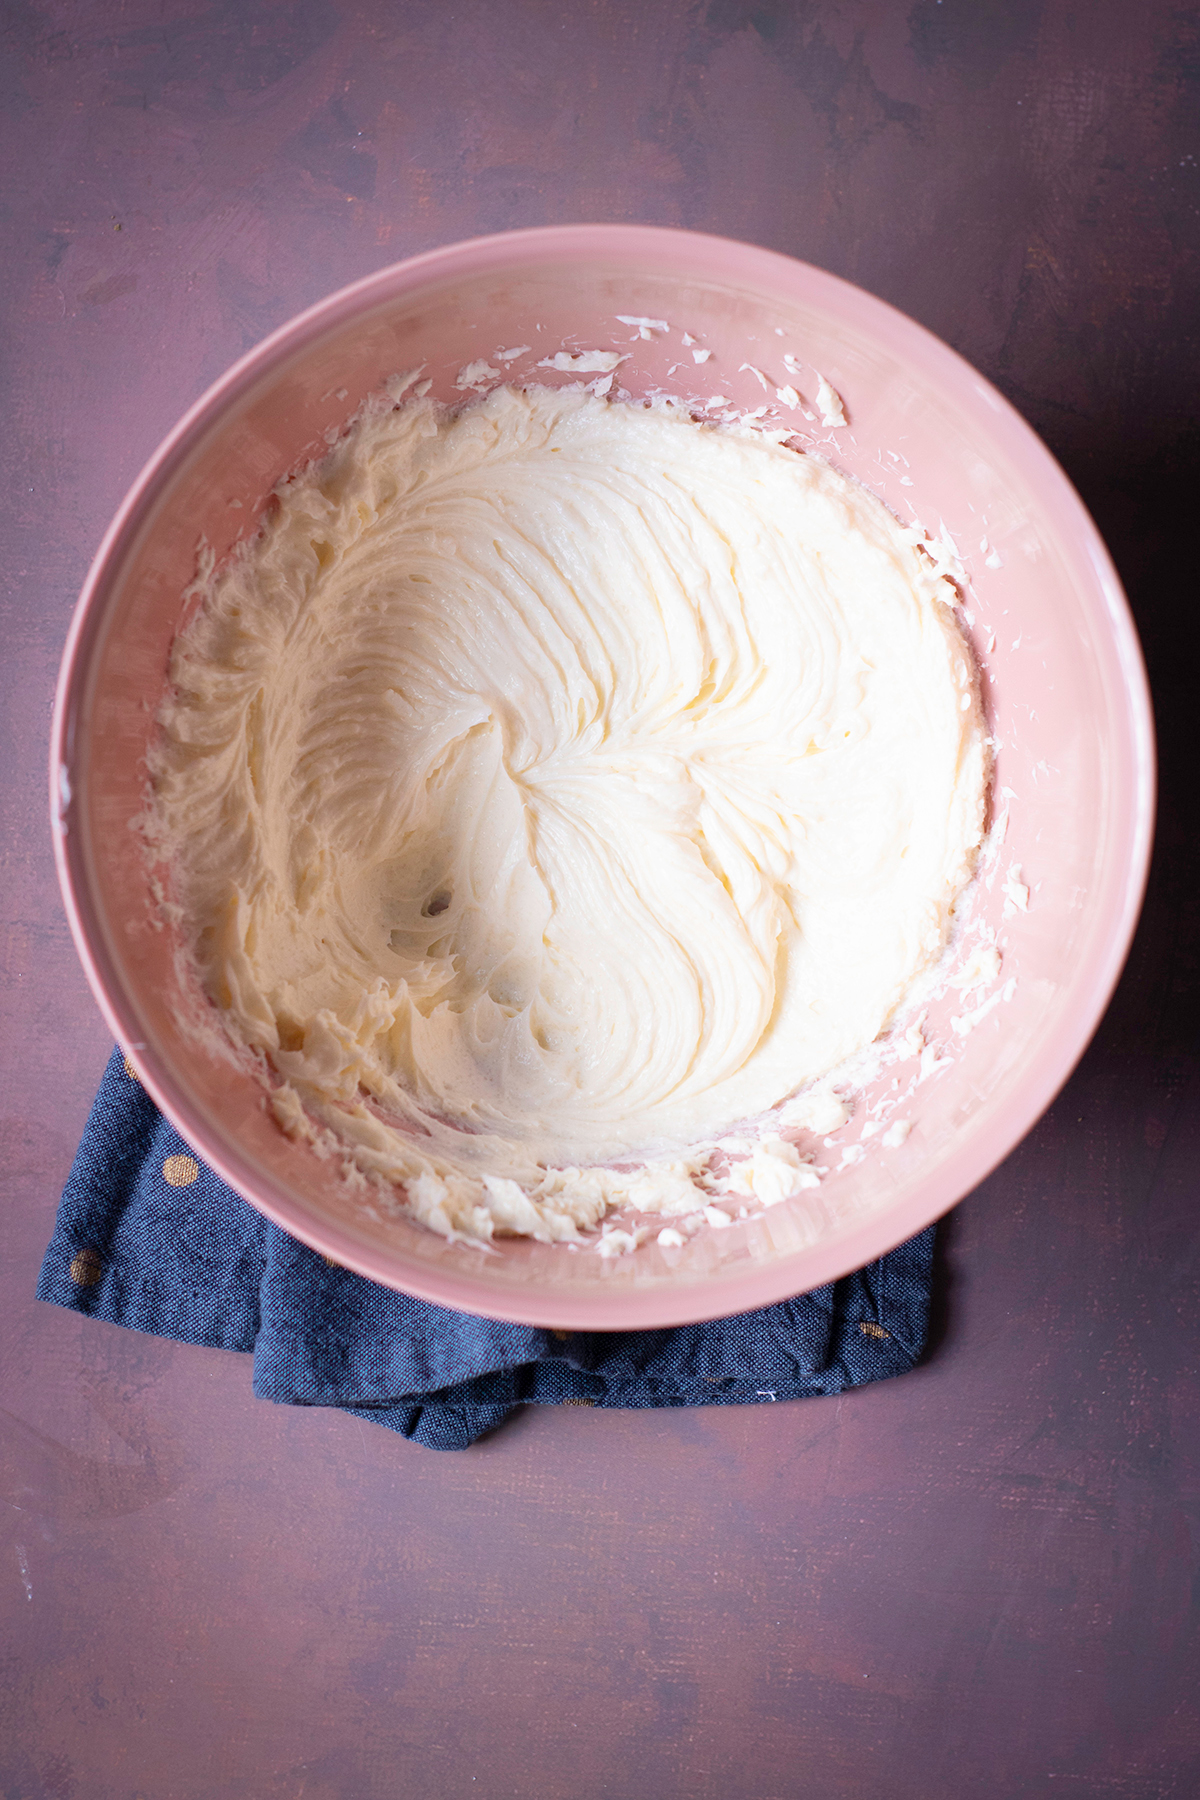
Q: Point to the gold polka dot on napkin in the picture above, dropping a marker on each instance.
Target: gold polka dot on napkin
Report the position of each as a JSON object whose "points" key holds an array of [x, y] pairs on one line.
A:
{"points": [[86, 1268], [181, 1171]]}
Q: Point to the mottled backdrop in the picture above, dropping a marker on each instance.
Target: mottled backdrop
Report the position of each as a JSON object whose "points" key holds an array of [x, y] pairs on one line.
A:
{"points": [[974, 1581]]}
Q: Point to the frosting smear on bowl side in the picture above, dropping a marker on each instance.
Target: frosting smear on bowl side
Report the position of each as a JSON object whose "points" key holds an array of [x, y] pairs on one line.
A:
{"points": [[553, 783]]}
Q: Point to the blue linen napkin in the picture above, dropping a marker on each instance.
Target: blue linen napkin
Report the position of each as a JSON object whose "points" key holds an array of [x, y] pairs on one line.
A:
{"points": [[147, 1236]]}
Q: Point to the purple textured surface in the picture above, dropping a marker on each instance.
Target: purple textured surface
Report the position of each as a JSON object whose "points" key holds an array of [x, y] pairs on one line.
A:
{"points": [[976, 1580]]}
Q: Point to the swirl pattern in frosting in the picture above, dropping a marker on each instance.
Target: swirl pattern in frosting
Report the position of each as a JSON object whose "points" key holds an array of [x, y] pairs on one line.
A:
{"points": [[552, 784]]}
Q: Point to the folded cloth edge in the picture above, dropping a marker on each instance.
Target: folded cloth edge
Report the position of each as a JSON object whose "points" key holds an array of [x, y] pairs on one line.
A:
{"points": [[148, 1237]]}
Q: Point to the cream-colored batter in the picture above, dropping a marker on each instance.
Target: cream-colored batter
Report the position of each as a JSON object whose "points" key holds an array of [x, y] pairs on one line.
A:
{"points": [[555, 783]]}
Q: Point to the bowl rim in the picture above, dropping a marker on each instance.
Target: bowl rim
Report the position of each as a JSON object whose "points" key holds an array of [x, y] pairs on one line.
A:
{"points": [[659, 1305]]}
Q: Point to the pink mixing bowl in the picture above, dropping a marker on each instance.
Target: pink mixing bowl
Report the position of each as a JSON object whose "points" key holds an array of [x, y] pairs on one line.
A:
{"points": [[1063, 682]]}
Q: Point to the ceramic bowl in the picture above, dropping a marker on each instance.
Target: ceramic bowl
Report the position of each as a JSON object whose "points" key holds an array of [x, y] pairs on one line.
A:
{"points": [[1062, 677]]}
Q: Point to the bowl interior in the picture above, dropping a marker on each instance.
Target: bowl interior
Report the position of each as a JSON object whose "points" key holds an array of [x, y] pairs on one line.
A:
{"points": [[1063, 684]]}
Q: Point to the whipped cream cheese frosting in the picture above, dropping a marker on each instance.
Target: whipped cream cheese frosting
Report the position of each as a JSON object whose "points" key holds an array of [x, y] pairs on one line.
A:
{"points": [[551, 784]]}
